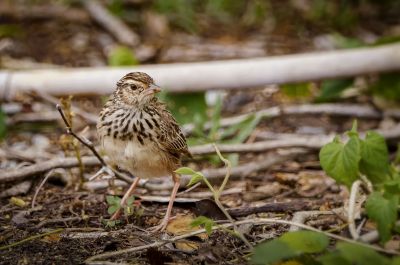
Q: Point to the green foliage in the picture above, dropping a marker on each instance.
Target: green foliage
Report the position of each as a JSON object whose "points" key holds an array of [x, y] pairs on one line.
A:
{"points": [[383, 211], [345, 162], [204, 221], [332, 89], [186, 107], [340, 161], [3, 124], [307, 247], [114, 204], [122, 56], [180, 12], [290, 245], [297, 90], [359, 255], [374, 158], [196, 176], [388, 86]]}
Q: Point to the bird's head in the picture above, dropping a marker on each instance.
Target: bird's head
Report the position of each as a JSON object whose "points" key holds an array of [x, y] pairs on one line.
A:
{"points": [[136, 89]]}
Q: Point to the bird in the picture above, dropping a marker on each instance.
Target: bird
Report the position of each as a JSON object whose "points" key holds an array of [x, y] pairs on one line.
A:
{"points": [[140, 135]]}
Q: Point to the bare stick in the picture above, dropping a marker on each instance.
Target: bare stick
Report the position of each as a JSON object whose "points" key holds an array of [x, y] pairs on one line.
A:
{"points": [[113, 24], [220, 74], [351, 209], [40, 186], [211, 174], [89, 145]]}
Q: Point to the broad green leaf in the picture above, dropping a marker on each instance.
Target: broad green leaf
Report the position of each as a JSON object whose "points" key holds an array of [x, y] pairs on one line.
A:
{"points": [[392, 186], [113, 208], [359, 255], [333, 258], [333, 89], [374, 161], [383, 211], [195, 178], [122, 56], [271, 252], [185, 171], [340, 161], [306, 241]]}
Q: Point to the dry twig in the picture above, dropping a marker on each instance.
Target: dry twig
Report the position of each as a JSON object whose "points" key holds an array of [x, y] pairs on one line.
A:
{"points": [[113, 24]]}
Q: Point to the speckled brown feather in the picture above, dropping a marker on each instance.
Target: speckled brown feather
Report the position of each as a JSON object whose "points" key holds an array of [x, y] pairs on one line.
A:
{"points": [[137, 132]]}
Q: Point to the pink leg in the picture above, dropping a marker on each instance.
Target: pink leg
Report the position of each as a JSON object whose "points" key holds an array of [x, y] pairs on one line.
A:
{"points": [[126, 196], [167, 216]]}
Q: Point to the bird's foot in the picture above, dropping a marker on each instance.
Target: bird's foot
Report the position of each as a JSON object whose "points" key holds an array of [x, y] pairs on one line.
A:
{"points": [[162, 226]]}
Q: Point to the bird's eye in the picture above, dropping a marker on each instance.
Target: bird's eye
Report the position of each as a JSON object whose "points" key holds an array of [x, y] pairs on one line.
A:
{"points": [[133, 87]]}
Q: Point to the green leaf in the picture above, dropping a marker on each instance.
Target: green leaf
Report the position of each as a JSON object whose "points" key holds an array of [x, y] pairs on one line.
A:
{"points": [[122, 56], [395, 261], [296, 91], [246, 128], [306, 241], [130, 200], [185, 171], [206, 222], [195, 178], [388, 86], [340, 161], [271, 252], [374, 161], [359, 255], [383, 211], [185, 106], [333, 89], [113, 199], [333, 258], [113, 208]]}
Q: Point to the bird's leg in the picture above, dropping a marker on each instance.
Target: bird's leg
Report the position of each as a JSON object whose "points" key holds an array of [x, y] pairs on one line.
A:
{"points": [[167, 216], [126, 196]]}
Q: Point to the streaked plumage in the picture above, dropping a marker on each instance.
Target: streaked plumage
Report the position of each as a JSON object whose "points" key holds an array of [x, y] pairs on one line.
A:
{"points": [[140, 135]]}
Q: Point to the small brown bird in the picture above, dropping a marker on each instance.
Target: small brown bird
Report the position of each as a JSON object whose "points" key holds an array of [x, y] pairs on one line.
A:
{"points": [[140, 135]]}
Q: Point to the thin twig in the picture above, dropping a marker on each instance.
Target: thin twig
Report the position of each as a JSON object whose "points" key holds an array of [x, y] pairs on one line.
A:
{"points": [[351, 209], [90, 145], [217, 195], [40, 186], [31, 238]]}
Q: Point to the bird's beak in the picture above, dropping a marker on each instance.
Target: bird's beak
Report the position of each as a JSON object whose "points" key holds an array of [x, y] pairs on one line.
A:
{"points": [[153, 89]]}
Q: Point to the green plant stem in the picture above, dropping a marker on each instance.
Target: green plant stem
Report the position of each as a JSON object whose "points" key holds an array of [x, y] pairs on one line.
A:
{"points": [[217, 195], [31, 238]]}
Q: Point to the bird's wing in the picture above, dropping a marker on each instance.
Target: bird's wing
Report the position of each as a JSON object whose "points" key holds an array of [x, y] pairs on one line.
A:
{"points": [[173, 139]]}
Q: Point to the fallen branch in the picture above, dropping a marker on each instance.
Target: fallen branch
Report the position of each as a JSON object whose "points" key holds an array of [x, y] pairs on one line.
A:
{"points": [[38, 12], [338, 109], [212, 174], [277, 207], [113, 24], [186, 77]]}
